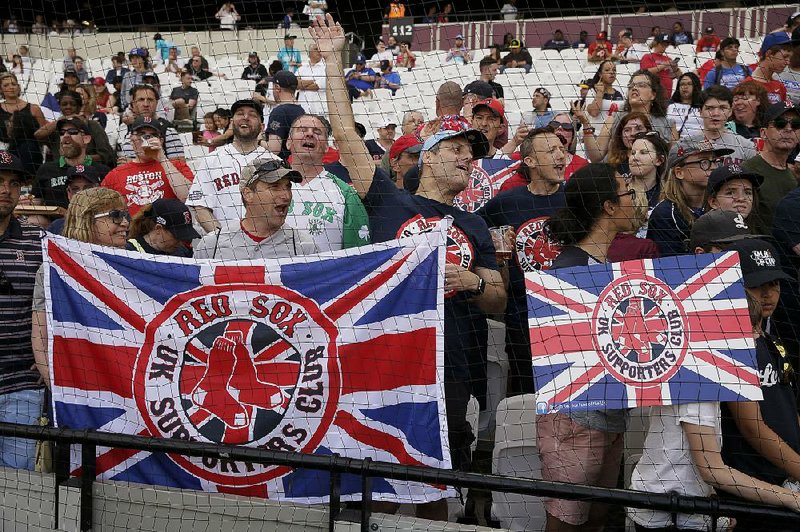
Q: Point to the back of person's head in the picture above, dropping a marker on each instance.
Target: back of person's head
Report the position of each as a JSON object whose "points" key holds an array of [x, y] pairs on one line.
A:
{"points": [[449, 98], [585, 194], [142, 222], [718, 92], [487, 62], [79, 220], [274, 67]]}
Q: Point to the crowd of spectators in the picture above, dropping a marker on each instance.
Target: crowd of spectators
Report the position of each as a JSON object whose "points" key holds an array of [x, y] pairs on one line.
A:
{"points": [[682, 163]]}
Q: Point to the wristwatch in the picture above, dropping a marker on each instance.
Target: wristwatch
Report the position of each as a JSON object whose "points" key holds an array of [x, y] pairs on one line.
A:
{"points": [[588, 131], [481, 287]]}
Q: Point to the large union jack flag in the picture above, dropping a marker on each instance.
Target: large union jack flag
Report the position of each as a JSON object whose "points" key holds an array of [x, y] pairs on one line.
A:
{"points": [[335, 353], [641, 333]]}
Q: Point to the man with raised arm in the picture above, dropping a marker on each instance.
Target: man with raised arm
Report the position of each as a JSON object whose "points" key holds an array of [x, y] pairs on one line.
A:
{"points": [[472, 282]]}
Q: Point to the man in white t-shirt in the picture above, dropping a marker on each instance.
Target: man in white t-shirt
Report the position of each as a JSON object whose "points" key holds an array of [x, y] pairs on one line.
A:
{"points": [[215, 194], [322, 205], [311, 84], [382, 54]]}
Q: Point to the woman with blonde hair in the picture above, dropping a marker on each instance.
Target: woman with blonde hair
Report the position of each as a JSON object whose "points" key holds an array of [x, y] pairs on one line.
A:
{"points": [[683, 194], [97, 216]]}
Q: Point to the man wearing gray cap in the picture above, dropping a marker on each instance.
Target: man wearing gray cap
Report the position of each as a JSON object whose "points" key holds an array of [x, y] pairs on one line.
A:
{"points": [[266, 189]]}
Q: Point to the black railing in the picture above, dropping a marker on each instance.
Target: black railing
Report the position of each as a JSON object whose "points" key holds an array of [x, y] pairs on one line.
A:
{"points": [[366, 469]]}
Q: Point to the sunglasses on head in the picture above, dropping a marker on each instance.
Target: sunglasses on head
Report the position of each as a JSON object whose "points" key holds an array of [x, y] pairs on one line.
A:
{"points": [[782, 122], [268, 167], [118, 216], [555, 124]]}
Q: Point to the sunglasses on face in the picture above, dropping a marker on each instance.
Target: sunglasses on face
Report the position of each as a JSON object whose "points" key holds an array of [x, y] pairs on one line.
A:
{"points": [[561, 125], [71, 132], [782, 122], [118, 216]]}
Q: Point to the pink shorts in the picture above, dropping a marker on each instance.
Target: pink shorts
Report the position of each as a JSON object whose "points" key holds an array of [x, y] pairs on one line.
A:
{"points": [[579, 455]]}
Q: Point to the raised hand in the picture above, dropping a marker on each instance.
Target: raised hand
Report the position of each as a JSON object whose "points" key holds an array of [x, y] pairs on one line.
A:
{"points": [[328, 35]]}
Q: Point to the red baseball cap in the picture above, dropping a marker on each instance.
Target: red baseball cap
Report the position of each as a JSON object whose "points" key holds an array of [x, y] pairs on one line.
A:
{"points": [[98, 81], [494, 105], [405, 144], [602, 36]]}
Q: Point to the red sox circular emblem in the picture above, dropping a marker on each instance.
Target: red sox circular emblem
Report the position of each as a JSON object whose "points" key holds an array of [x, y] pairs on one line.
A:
{"points": [[250, 364], [477, 193], [459, 248], [640, 329], [533, 249]]}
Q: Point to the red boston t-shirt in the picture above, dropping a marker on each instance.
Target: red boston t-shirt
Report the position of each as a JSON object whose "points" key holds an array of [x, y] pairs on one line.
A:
{"points": [[143, 183], [665, 76], [776, 90]]}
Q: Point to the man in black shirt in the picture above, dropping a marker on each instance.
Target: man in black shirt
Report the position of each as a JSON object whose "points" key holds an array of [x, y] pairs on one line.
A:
{"points": [[254, 71], [184, 98], [284, 113]]}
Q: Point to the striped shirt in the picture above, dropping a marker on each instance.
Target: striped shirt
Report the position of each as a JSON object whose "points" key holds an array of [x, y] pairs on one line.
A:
{"points": [[20, 257]]}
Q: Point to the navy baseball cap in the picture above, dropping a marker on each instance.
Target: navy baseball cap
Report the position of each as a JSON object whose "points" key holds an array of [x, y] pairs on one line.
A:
{"points": [[479, 88], [11, 163], [175, 217], [285, 79], [725, 173], [90, 172], [248, 103], [150, 123], [360, 59], [760, 262], [73, 121], [779, 38]]}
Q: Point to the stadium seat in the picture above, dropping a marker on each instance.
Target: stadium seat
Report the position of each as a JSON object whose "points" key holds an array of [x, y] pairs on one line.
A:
{"points": [[516, 455]]}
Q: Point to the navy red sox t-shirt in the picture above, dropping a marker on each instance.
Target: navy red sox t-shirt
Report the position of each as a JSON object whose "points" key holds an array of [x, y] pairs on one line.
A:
{"points": [[526, 213], [395, 213]]}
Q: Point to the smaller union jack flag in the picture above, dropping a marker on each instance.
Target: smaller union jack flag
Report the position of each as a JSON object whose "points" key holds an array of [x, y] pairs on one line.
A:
{"points": [[641, 333]]}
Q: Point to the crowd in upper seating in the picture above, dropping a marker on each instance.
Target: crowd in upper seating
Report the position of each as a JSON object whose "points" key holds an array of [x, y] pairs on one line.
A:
{"points": [[681, 162]]}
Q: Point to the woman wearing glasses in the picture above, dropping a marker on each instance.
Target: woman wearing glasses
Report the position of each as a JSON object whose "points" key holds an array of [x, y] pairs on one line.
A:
{"points": [[644, 96], [682, 197], [683, 110], [97, 216]]}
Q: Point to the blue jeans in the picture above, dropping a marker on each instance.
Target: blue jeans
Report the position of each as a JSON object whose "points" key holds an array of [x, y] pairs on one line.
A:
{"points": [[23, 407]]}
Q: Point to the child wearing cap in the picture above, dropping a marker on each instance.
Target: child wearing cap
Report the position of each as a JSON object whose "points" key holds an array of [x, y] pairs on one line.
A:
{"points": [[682, 451], [762, 438], [162, 228]]}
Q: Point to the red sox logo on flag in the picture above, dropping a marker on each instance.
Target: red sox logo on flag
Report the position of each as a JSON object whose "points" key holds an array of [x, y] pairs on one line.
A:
{"points": [[641, 333], [485, 180], [319, 355]]}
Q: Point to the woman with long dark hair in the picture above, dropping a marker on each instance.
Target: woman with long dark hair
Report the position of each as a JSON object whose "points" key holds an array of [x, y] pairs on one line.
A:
{"points": [[645, 96], [683, 110], [585, 447], [607, 99]]}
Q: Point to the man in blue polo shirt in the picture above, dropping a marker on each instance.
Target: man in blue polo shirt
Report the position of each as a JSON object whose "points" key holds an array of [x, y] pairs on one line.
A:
{"points": [[21, 391]]}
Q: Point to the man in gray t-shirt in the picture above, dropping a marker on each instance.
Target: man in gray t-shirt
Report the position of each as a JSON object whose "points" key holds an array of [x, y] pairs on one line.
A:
{"points": [[716, 110], [266, 187]]}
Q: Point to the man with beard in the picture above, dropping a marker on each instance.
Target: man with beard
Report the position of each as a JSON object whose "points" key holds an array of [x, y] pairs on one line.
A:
{"points": [[215, 194], [51, 179], [526, 209], [471, 276], [323, 205]]}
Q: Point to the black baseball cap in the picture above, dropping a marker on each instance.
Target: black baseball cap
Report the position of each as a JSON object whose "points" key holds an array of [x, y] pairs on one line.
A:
{"points": [[479, 88], [73, 121], [760, 262], [719, 227], [778, 109], [175, 217], [285, 79], [150, 123], [248, 103], [662, 38], [90, 172], [289, 36], [70, 72], [725, 173], [11, 163]]}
